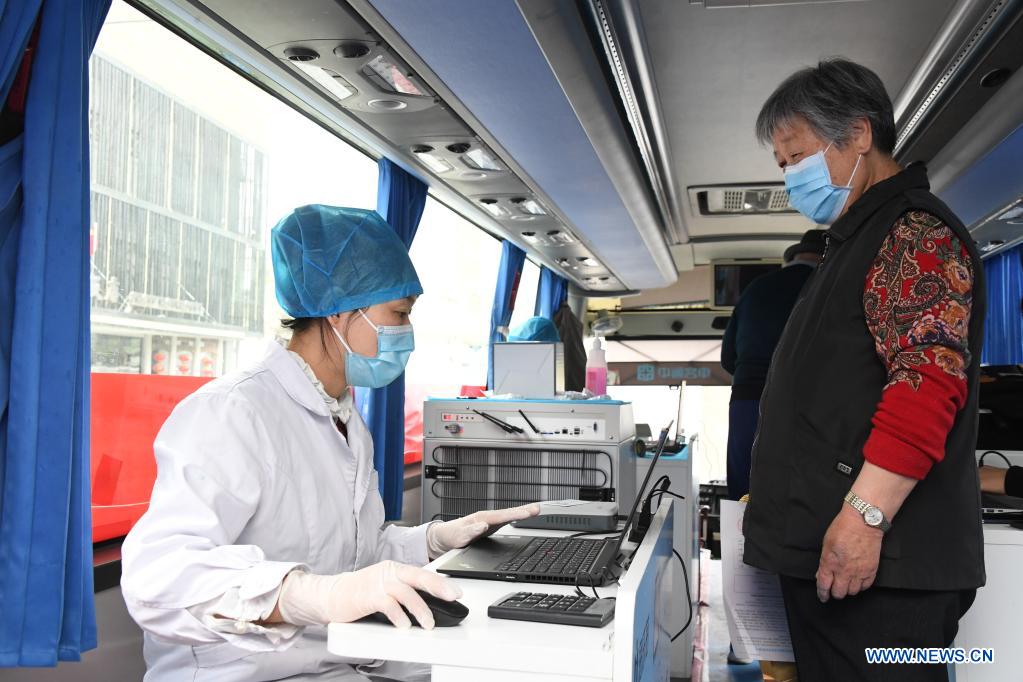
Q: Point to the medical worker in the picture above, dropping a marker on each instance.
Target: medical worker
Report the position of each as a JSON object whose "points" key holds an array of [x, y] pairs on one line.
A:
{"points": [[536, 329], [265, 522]]}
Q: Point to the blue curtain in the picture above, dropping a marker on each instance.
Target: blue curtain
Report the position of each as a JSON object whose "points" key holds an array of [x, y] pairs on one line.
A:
{"points": [[551, 293], [508, 275], [46, 586], [1003, 333], [401, 199]]}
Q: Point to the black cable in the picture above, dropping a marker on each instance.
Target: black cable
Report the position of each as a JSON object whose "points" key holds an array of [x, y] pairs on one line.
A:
{"points": [[593, 587], [662, 493], [584, 533], [685, 571], [689, 596], [994, 452]]}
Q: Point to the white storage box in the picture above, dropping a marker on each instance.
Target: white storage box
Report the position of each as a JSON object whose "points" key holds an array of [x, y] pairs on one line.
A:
{"points": [[529, 369]]}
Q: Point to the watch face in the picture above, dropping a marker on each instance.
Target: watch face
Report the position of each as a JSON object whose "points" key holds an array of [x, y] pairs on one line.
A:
{"points": [[873, 516]]}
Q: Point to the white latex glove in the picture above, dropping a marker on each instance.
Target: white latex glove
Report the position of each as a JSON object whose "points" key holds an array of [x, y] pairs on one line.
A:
{"points": [[308, 599], [448, 535]]}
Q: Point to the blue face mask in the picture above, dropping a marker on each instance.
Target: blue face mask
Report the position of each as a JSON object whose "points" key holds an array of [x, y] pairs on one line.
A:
{"points": [[394, 346], [811, 192]]}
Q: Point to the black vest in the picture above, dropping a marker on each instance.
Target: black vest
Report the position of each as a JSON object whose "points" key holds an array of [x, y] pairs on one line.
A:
{"points": [[824, 385]]}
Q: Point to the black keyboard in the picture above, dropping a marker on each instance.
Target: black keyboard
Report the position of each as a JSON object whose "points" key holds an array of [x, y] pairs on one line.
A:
{"points": [[563, 609], [555, 556]]}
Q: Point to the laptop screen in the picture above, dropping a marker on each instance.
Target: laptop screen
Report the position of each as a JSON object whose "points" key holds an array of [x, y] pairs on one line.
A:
{"points": [[641, 491]]}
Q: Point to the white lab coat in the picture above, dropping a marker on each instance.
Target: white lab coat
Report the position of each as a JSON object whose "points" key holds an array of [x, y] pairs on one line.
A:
{"points": [[253, 479]]}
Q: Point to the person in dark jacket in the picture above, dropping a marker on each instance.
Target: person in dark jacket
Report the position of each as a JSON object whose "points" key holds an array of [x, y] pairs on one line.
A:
{"points": [[746, 349], [864, 492]]}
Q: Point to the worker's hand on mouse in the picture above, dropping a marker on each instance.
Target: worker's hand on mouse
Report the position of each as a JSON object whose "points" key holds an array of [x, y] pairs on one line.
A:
{"points": [[441, 537], [308, 599]]}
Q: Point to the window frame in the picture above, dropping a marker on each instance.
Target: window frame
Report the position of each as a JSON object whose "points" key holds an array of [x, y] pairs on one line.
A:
{"points": [[318, 109]]}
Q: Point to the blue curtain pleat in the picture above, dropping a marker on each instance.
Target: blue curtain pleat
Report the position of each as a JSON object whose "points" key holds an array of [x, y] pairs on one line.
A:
{"points": [[1003, 333], [401, 200], [46, 590], [16, 21], [10, 223], [508, 275], [551, 293]]}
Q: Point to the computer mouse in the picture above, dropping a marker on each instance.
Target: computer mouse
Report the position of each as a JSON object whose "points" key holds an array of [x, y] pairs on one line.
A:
{"points": [[445, 613]]}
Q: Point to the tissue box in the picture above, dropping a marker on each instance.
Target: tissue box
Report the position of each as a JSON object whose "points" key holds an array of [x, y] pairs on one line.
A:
{"points": [[529, 369]]}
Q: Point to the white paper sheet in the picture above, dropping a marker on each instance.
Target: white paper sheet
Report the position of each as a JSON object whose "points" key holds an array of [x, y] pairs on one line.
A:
{"points": [[753, 604]]}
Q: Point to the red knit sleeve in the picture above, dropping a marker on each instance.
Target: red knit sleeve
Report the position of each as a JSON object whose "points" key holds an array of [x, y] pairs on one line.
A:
{"points": [[917, 302]]}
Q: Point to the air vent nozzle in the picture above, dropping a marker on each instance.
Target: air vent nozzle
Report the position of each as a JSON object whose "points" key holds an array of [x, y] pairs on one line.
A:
{"points": [[741, 200], [351, 50], [301, 54]]}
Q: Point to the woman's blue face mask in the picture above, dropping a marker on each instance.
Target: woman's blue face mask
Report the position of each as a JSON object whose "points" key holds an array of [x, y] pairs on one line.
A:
{"points": [[394, 346], [811, 192]]}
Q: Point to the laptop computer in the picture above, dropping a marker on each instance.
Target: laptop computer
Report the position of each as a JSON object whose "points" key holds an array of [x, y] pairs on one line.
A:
{"points": [[560, 560], [1000, 508]]}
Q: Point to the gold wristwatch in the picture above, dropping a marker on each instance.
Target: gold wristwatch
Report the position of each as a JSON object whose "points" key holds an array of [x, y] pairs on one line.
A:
{"points": [[872, 516]]}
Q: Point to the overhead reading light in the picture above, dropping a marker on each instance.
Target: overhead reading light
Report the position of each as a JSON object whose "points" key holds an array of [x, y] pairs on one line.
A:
{"points": [[334, 83], [437, 165], [534, 239], [560, 237], [523, 218], [474, 175], [588, 262], [529, 206], [565, 263], [387, 104], [992, 245], [459, 147], [493, 208], [480, 160], [388, 76], [1013, 214]]}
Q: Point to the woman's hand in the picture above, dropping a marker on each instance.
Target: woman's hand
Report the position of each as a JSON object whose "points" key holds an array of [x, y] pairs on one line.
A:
{"points": [[448, 535], [386, 587], [849, 558]]}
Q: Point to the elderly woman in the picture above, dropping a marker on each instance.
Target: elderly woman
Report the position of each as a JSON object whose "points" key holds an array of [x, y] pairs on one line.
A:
{"points": [[863, 492]]}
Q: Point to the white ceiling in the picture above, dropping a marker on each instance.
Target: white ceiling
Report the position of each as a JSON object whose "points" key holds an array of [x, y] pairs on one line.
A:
{"points": [[714, 68]]}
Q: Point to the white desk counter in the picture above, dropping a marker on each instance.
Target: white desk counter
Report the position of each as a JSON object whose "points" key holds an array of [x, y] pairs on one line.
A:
{"points": [[994, 619], [483, 648]]}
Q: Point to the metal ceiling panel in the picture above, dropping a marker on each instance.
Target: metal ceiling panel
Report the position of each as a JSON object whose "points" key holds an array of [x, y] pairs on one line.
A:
{"points": [[486, 55], [714, 68], [993, 183], [325, 60]]}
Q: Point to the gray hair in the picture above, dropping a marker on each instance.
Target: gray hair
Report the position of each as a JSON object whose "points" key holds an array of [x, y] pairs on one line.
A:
{"points": [[830, 97]]}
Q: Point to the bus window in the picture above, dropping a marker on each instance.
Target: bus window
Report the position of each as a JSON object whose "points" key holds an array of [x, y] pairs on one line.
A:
{"points": [[525, 300], [191, 166], [452, 317]]}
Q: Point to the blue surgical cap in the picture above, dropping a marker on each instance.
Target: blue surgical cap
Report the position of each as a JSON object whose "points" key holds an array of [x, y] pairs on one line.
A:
{"points": [[330, 260], [536, 329]]}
